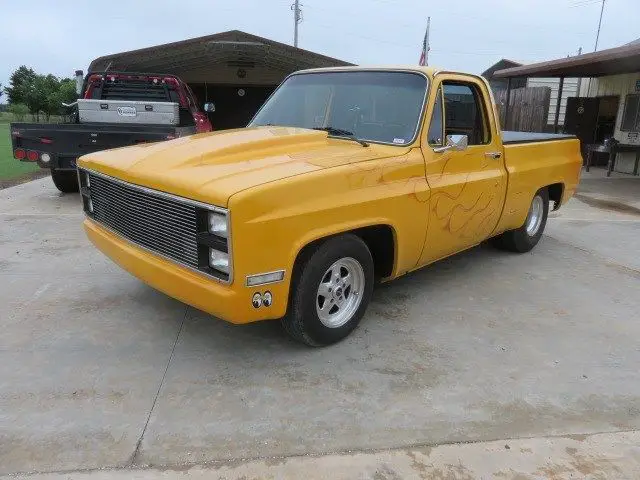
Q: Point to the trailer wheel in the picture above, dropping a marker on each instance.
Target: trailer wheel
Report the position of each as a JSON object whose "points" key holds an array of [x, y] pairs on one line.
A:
{"points": [[523, 239], [331, 290], [65, 180]]}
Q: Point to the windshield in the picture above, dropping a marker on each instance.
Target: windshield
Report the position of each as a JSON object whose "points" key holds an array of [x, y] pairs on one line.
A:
{"points": [[377, 106]]}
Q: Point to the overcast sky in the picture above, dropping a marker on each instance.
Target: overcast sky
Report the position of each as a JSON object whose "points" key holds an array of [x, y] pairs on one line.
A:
{"points": [[64, 35]]}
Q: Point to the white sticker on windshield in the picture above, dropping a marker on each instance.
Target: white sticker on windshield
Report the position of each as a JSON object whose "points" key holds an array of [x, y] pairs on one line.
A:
{"points": [[398, 140]]}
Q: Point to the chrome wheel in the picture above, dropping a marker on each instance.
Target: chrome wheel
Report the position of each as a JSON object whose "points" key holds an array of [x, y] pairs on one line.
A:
{"points": [[340, 292], [534, 218]]}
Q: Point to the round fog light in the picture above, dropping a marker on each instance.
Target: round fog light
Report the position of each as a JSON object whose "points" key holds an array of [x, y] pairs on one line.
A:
{"points": [[257, 300], [45, 158], [267, 299]]}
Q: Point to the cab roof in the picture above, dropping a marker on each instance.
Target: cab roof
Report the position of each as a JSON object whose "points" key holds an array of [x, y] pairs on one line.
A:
{"points": [[429, 71]]}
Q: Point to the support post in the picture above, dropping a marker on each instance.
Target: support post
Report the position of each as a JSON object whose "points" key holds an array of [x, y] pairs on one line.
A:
{"points": [[507, 106], [558, 104]]}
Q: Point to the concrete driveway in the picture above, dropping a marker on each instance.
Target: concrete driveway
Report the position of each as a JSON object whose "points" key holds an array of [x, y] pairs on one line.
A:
{"points": [[98, 370]]}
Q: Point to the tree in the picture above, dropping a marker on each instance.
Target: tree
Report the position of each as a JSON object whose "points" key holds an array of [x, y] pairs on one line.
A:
{"points": [[64, 93], [19, 84], [19, 110], [41, 94], [35, 96], [1, 91]]}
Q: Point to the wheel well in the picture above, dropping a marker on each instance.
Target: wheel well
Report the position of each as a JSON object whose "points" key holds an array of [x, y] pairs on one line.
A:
{"points": [[381, 244], [378, 238], [555, 193]]}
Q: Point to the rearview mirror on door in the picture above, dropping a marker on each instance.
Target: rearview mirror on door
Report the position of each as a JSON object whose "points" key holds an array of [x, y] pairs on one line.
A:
{"points": [[457, 143]]}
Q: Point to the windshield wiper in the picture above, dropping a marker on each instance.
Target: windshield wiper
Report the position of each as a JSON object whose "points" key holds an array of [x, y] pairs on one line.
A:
{"points": [[339, 132]]}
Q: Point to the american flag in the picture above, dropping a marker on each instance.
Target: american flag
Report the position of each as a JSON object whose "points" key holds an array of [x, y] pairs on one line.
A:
{"points": [[425, 48]]}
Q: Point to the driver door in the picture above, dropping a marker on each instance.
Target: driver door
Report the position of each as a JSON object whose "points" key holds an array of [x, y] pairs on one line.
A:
{"points": [[467, 186]]}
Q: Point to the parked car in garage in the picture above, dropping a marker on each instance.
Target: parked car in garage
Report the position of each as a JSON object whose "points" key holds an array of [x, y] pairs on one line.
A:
{"points": [[344, 177], [116, 110]]}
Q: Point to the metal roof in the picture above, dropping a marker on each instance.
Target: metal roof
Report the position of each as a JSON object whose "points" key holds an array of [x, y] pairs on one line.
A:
{"points": [[614, 61], [501, 64], [212, 57]]}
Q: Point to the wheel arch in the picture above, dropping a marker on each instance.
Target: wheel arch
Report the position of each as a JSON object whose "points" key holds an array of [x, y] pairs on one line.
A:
{"points": [[380, 238], [556, 193]]}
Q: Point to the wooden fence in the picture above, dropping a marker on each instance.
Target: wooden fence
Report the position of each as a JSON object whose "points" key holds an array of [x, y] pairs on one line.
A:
{"points": [[528, 111]]}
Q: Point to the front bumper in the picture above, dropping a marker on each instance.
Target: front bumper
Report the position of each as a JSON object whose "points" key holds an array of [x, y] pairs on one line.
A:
{"points": [[231, 304]]}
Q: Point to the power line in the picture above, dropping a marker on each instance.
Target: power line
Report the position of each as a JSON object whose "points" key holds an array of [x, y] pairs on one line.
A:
{"points": [[413, 45], [416, 25], [584, 3]]}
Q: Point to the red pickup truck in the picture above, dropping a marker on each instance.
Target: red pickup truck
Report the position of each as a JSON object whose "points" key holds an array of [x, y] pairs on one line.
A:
{"points": [[57, 146]]}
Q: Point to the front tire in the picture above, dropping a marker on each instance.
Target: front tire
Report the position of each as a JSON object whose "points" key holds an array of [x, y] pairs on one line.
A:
{"points": [[523, 239], [65, 180], [331, 290]]}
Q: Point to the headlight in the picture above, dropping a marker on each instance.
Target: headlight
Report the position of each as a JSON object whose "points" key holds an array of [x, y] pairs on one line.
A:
{"points": [[219, 260], [218, 224]]}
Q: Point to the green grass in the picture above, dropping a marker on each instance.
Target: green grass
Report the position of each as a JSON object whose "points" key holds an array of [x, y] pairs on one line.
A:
{"points": [[6, 117], [10, 168]]}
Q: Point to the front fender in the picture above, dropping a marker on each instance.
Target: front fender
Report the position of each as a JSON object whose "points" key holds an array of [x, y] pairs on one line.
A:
{"points": [[272, 223]]}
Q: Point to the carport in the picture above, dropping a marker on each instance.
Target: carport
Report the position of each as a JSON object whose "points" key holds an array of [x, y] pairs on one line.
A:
{"points": [[609, 106], [235, 70]]}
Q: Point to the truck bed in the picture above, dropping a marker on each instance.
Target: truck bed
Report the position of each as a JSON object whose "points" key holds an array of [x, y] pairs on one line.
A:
{"points": [[509, 137], [65, 142]]}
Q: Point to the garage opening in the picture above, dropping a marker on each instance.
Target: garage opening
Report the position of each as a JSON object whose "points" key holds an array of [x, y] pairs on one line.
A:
{"points": [[234, 70], [235, 105]]}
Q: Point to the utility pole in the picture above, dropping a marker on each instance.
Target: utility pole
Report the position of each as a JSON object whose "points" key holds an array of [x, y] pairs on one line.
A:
{"points": [[297, 18], [599, 25], [595, 49]]}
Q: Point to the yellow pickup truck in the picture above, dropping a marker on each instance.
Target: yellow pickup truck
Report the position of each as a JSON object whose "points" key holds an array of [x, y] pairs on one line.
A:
{"points": [[345, 176]]}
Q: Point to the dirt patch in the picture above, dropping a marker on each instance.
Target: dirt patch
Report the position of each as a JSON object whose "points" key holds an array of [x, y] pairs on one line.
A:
{"points": [[610, 205], [24, 178]]}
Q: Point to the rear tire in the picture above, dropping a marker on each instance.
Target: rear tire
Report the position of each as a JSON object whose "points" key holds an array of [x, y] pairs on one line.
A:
{"points": [[523, 239], [331, 289], [65, 180]]}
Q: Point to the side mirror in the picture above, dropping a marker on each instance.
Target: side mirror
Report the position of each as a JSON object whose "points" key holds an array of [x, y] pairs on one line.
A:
{"points": [[457, 143], [210, 107]]}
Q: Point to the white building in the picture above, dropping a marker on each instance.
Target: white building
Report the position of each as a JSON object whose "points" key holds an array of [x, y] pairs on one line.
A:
{"points": [[569, 89]]}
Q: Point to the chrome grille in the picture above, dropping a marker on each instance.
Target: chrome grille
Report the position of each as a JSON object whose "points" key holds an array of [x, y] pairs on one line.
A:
{"points": [[159, 223]]}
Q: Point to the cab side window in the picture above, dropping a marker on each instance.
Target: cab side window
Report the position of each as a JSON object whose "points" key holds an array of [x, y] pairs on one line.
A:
{"points": [[465, 113], [435, 137]]}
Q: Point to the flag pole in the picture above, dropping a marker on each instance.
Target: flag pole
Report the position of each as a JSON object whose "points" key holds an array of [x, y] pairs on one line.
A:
{"points": [[427, 48]]}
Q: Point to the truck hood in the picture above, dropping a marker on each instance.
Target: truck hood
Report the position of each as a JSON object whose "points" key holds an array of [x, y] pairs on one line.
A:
{"points": [[211, 167]]}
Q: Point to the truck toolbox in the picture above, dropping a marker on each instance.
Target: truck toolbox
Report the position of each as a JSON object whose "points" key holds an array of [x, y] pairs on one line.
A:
{"points": [[115, 110], [128, 111]]}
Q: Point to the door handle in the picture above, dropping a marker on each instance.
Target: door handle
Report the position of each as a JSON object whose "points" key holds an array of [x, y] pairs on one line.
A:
{"points": [[494, 155]]}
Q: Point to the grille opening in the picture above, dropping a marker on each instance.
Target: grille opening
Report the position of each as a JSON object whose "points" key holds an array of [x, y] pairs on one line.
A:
{"points": [[160, 223]]}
